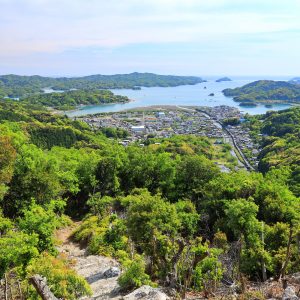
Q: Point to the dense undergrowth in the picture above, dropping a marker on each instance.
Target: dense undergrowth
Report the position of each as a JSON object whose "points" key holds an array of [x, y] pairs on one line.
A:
{"points": [[166, 211]]}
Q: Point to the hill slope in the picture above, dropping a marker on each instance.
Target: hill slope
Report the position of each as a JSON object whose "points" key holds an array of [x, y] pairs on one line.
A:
{"points": [[19, 86], [71, 99], [279, 141], [265, 91]]}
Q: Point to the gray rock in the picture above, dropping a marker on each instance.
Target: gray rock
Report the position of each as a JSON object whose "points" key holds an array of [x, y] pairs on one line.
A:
{"points": [[146, 292], [112, 272], [289, 294], [295, 278]]}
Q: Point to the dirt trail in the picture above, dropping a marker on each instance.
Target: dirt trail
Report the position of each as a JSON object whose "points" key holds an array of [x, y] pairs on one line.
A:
{"points": [[92, 267]]}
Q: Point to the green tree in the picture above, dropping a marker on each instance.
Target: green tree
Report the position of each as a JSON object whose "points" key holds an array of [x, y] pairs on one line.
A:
{"points": [[16, 250], [192, 174], [41, 222], [106, 174], [241, 219], [134, 275], [34, 177], [162, 231], [7, 159]]}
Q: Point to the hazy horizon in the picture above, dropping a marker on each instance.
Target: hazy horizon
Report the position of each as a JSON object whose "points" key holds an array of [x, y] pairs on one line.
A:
{"points": [[204, 77], [218, 37]]}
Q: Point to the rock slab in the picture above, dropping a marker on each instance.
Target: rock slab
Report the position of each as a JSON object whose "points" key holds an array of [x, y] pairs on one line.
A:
{"points": [[290, 294], [146, 292]]}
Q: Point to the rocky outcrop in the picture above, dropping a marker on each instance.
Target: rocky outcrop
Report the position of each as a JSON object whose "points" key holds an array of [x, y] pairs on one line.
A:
{"points": [[290, 294], [146, 292], [112, 272], [100, 272]]}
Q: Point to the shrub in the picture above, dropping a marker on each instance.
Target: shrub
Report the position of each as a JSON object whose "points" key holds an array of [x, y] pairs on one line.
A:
{"points": [[208, 273], [16, 250], [63, 281], [42, 222], [103, 236], [134, 275]]}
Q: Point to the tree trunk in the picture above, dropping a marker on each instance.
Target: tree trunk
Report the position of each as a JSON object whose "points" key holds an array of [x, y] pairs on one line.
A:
{"points": [[298, 242], [287, 256], [263, 265], [174, 262], [41, 287]]}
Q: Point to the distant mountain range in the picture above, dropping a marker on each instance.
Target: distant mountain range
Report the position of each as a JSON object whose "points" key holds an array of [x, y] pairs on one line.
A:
{"points": [[265, 91], [20, 86]]}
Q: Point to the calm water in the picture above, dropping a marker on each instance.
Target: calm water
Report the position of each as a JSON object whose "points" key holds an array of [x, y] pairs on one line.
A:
{"points": [[194, 95]]}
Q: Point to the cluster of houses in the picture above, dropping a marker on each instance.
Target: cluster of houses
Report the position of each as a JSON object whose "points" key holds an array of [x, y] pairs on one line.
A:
{"points": [[240, 132], [242, 137], [201, 121], [159, 123], [221, 112]]}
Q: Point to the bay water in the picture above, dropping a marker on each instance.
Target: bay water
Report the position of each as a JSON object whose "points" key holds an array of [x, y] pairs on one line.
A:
{"points": [[185, 95]]}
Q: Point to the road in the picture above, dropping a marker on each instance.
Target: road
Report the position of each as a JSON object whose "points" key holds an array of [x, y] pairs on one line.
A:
{"points": [[230, 136]]}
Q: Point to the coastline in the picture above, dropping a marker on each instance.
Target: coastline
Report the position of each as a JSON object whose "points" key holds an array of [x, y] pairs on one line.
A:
{"points": [[82, 106], [195, 95]]}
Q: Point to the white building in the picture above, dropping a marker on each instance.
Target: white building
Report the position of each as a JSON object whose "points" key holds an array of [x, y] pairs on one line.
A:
{"points": [[138, 129]]}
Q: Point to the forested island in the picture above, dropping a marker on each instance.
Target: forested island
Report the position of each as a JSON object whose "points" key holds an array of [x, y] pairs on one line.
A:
{"points": [[71, 99], [160, 207], [223, 79], [265, 91], [20, 86]]}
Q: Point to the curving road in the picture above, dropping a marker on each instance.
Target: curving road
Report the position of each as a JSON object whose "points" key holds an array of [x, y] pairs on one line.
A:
{"points": [[233, 142]]}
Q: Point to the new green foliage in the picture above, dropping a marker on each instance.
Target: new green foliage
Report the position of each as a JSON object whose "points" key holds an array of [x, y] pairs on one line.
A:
{"points": [[71, 99], [165, 210], [19, 86], [266, 91]]}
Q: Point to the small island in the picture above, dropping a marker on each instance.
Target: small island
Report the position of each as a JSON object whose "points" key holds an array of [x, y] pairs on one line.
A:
{"points": [[248, 104], [223, 79], [211, 94], [265, 91]]}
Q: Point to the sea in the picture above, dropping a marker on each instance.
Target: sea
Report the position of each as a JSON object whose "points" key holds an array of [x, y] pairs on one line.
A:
{"points": [[185, 95]]}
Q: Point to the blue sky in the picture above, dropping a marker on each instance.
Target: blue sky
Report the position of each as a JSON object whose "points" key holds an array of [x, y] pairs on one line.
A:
{"points": [[192, 37]]}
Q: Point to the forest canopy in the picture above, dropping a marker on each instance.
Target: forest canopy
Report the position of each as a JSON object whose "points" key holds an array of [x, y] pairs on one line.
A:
{"points": [[20, 86], [265, 91], [71, 99], [165, 211]]}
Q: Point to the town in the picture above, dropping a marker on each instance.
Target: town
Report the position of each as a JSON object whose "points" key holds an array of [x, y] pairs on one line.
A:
{"points": [[165, 121]]}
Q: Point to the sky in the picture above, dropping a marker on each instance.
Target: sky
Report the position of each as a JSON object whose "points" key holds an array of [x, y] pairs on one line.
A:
{"points": [[184, 37]]}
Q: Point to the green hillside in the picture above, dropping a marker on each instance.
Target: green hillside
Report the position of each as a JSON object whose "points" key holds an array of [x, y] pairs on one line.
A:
{"points": [[265, 91], [71, 99], [20, 86], [280, 143], [164, 210]]}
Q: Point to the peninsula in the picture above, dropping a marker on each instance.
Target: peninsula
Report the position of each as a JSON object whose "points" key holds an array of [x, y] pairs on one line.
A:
{"points": [[265, 91], [72, 99], [21, 86]]}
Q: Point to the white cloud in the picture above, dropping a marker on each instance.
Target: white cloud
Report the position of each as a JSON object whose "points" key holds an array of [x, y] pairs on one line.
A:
{"points": [[53, 27]]}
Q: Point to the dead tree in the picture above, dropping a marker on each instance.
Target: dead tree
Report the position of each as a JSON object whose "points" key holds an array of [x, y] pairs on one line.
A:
{"points": [[40, 284]]}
